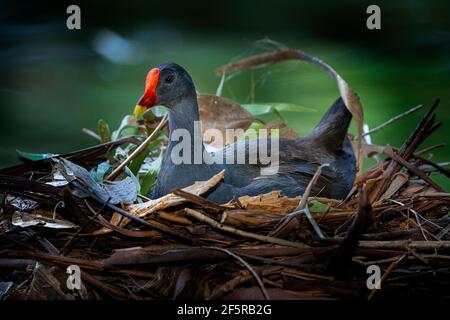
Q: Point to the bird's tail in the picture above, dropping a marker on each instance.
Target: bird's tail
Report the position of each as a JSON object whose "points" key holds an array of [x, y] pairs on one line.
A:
{"points": [[331, 131]]}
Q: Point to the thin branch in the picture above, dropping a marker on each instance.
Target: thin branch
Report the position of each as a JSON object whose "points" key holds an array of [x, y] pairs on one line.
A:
{"points": [[288, 223], [250, 269], [390, 152], [392, 120], [415, 214], [78, 232], [438, 166], [400, 244], [304, 200], [130, 216], [440, 145], [138, 150], [201, 217], [391, 268], [205, 203]]}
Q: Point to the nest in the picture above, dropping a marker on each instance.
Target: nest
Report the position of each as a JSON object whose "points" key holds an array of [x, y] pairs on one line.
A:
{"points": [[184, 246], [388, 238]]}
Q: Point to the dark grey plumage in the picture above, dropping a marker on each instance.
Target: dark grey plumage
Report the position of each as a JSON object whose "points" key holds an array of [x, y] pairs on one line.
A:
{"points": [[298, 158]]}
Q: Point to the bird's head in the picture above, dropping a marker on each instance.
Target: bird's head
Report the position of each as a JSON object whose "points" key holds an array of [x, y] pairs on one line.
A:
{"points": [[165, 85]]}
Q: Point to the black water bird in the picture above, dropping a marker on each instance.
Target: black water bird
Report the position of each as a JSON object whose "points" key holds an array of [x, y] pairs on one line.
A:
{"points": [[171, 86]]}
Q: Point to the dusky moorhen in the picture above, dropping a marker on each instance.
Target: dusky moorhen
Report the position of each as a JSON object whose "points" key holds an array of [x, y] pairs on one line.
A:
{"points": [[171, 86]]}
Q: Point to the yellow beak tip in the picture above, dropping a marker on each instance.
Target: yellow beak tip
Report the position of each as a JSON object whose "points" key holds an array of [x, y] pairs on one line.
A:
{"points": [[139, 110]]}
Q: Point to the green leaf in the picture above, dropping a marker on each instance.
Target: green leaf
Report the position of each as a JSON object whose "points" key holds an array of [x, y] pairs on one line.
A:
{"points": [[149, 179], [149, 115], [278, 114], [158, 111], [99, 173], [103, 131], [134, 178], [257, 109], [128, 122], [137, 162], [316, 206], [249, 133], [256, 126], [35, 156], [123, 131], [291, 107], [129, 131]]}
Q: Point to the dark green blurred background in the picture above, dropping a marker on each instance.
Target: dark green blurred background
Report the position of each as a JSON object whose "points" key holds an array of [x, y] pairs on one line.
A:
{"points": [[55, 81]]}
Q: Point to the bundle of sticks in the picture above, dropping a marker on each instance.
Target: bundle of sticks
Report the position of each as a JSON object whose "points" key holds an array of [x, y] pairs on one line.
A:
{"points": [[395, 221]]}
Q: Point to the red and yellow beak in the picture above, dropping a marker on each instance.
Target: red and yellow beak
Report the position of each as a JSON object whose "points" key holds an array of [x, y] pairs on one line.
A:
{"points": [[149, 98]]}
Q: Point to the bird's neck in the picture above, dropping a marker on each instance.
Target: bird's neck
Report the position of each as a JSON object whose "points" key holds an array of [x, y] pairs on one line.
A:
{"points": [[184, 122], [184, 115]]}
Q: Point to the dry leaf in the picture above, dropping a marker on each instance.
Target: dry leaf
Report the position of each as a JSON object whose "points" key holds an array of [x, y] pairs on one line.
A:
{"points": [[398, 182], [412, 189], [144, 209], [272, 201], [251, 219], [123, 191], [285, 131], [48, 284], [372, 186], [275, 203], [368, 150], [221, 113], [30, 220]]}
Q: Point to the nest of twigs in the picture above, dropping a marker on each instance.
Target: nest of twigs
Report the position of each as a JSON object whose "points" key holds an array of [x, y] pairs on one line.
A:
{"points": [[389, 238]]}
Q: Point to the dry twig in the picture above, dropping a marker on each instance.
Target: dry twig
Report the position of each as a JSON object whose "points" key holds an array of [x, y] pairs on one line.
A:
{"points": [[138, 150]]}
